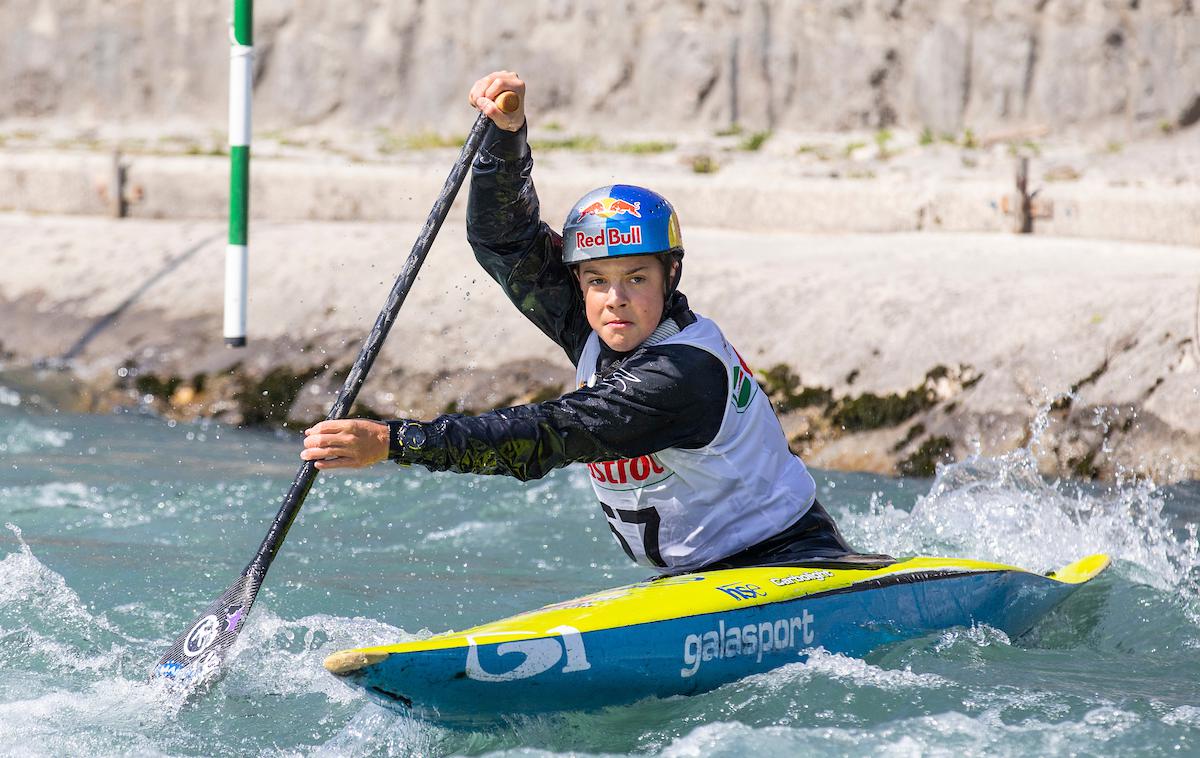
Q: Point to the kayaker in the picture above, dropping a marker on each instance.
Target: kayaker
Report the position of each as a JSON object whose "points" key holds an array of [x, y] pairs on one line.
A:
{"points": [[684, 450]]}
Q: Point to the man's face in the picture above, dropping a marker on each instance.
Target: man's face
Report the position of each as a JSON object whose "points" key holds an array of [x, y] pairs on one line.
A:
{"points": [[623, 298]]}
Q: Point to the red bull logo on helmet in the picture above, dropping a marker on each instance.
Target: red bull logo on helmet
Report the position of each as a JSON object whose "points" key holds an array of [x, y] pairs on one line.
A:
{"points": [[609, 237], [608, 207]]}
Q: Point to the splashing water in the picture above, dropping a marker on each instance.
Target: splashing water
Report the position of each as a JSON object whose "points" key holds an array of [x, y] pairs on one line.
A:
{"points": [[1002, 509], [129, 526]]}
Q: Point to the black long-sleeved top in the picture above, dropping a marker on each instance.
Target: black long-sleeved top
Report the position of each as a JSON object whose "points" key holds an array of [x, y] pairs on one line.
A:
{"points": [[679, 393]]}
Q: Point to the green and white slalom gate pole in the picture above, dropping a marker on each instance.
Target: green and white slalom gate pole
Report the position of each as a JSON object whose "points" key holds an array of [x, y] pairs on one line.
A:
{"points": [[241, 72]]}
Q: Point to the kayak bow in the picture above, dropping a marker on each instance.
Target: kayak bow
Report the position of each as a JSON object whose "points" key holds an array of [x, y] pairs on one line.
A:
{"points": [[687, 634]]}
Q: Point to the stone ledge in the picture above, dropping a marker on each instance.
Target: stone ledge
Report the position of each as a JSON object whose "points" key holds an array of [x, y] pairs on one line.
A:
{"points": [[195, 187]]}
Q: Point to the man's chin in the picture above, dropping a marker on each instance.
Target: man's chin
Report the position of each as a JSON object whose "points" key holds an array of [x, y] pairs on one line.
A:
{"points": [[622, 343]]}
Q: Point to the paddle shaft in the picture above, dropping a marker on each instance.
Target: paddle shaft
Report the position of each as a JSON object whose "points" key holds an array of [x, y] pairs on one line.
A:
{"points": [[195, 657], [304, 478]]}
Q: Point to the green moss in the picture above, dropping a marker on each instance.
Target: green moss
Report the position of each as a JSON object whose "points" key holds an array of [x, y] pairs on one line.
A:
{"points": [[644, 148], [196, 149], [1061, 403], [704, 164], [732, 130], [1064, 402], [848, 150], [150, 384], [871, 411], [923, 462], [926, 137], [433, 141], [916, 430], [1092, 377], [585, 142], [882, 138], [783, 387], [269, 399], [388, 142], [755, 141], [1085, 466], [819, 152]]}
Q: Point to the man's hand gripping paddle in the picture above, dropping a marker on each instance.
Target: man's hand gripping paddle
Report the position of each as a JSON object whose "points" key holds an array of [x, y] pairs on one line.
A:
{"points": [[196, 656]]}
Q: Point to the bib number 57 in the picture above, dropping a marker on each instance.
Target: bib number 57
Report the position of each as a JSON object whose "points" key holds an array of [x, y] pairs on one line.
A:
{"points": [[649, 521]]}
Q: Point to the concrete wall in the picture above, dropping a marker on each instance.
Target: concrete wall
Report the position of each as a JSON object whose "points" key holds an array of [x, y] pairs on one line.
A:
{"points": [[1117, 68]]}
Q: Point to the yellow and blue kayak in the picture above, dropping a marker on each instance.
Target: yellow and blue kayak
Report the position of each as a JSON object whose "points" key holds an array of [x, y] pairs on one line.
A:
{"points": [[687, 634]]}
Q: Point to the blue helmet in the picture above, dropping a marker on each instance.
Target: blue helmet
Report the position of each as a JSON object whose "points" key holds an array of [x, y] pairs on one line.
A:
{"points": [[620, 219]]}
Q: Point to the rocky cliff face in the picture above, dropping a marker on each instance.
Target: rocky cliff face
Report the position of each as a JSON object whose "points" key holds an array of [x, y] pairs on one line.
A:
{"points": [[1089, 66]]}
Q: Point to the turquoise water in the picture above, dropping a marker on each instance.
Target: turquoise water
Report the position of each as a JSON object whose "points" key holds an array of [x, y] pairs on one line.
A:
{"points": [[122, 528]]}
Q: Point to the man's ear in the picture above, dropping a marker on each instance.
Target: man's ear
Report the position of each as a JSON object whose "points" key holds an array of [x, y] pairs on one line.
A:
{"points": [[672, 275]]}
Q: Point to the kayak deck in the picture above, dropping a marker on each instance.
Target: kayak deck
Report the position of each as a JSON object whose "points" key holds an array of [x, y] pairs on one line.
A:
{"points": [[690, 633]]}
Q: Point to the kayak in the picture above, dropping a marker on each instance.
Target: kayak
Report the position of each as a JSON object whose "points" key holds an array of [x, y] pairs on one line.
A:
{"points": [[682, 635]]}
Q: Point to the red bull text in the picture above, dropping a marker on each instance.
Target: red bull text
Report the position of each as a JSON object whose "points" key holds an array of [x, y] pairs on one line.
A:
{"points": [[609, 237]]}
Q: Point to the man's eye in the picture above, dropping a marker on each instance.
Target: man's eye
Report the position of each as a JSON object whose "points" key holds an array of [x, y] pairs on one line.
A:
{"points": [[637, 279], [595, 282]]}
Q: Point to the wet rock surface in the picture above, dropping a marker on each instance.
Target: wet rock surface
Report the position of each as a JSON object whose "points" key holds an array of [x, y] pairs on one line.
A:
{"points": [[888, 353]]}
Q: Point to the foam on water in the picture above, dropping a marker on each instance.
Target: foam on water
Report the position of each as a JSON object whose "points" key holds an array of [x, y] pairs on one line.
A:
{"points": [[24, 437], [32, 593], [1110, 672], [284, 657], [485, 530], [9, 397], [820, 663], [1001, 509], [374, 731]]}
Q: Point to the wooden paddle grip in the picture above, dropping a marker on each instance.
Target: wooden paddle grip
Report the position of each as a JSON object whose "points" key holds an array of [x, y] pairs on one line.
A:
{"points": [[508, 101]]}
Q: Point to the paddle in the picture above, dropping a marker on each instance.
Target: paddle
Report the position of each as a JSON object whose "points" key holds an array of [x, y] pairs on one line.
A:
{"points": [[196, 656]]}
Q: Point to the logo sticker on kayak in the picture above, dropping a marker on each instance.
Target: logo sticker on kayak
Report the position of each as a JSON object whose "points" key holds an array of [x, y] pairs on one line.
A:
{"points": [[751, 639], [808, 576], [537, 655], [740, 592]]}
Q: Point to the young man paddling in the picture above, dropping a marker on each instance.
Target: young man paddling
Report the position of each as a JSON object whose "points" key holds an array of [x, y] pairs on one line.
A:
{"points": [[684, 451]]}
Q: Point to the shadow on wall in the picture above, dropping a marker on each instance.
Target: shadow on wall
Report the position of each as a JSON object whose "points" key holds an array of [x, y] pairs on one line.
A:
{"points": [[111, 317]]}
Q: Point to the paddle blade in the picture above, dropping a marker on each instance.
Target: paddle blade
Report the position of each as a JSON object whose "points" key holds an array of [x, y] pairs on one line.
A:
{"points": [[196, 655]]}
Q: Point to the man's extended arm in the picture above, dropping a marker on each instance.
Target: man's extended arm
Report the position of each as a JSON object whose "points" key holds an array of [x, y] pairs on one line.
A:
{"points": [[661, 397]]}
